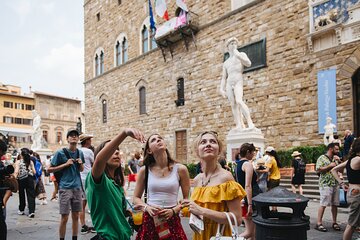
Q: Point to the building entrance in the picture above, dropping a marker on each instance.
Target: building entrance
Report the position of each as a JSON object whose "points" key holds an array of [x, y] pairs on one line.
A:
{"points": [[356, 102]]}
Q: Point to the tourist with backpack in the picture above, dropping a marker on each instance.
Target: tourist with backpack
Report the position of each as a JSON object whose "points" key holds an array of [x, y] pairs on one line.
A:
{"points": [[298, 172], [24, 172], [39, 188], [66, 165]]}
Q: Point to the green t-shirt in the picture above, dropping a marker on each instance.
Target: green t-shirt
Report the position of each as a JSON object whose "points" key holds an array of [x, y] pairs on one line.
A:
{"points": [[326, 179], [107, 205]]}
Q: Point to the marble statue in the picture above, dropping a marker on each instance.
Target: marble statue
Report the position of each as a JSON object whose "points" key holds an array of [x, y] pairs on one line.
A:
{"points": [[37, 133], [232, 81], [329, 131]]}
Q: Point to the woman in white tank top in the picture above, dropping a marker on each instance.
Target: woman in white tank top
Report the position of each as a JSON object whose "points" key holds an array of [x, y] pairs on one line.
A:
{"points": [[165, 177]]}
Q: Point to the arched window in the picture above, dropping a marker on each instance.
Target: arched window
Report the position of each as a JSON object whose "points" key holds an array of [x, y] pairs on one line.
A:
{"points": [[45, 135], [104, 110], [124, 50], [59, 137], [118, 53], [97, 65], [153, 44], [101, 62], [180, 92], [142, 100], [145, 39]]}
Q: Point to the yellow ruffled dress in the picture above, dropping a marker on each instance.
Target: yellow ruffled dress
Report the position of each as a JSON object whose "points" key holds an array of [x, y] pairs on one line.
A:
{"points": [[214, 197]]}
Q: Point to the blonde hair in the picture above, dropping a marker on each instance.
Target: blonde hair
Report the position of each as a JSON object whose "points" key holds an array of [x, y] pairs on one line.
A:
{"points": [[198, 140]]}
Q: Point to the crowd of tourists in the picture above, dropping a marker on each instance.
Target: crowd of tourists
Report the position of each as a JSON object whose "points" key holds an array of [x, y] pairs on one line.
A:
{"points": [[95, 177]]}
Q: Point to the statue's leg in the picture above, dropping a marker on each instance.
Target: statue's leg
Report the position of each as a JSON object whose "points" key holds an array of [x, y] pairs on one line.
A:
{"points": [[237, 117], [243, 109], [235, 111], [246, 112]]}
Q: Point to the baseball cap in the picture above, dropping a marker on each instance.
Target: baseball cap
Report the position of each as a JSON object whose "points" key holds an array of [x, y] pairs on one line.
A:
{"points": [[71, 132]]}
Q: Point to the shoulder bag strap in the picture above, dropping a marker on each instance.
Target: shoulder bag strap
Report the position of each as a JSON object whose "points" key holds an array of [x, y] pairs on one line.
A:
{"points": [[146, 183], [236, 224]]}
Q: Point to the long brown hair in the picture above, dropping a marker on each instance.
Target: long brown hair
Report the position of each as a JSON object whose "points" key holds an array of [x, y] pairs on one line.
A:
{"points": [[118, 174], [355, 148], [149, 159]]}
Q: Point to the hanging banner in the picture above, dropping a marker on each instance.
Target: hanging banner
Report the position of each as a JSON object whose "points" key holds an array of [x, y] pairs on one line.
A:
{"points": [[326, 97]]}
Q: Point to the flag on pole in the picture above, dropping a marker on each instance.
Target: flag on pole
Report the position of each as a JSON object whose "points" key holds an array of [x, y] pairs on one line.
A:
{"points": [[161, 9], [152, 22], [181, 4]]}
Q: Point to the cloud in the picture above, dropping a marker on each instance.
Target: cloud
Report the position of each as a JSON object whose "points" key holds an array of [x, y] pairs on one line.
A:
{"points": [[47, 7], [21, 8], [63, 68]]}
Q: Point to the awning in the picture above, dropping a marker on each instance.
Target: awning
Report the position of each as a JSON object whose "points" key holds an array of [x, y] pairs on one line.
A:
{"points": [[18, 132]]}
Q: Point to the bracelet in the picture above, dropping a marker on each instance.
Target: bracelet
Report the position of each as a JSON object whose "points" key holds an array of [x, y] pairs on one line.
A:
{"points": [[173, 212]]}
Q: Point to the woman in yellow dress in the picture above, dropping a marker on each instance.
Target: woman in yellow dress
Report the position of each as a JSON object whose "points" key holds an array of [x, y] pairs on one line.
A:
{"points": [[215, 190]]}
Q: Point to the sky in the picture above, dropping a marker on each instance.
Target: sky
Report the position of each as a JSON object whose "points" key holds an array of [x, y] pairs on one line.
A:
{"points": [[42, 46]]}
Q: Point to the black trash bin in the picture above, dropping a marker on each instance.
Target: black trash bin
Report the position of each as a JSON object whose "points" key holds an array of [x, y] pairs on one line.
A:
{"points": [[289, 222]]}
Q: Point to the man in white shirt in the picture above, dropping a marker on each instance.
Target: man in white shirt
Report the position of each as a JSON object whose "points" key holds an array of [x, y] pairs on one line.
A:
{"points": [[85, 141]]}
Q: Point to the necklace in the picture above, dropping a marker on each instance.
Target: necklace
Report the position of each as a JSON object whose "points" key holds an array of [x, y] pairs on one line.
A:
{"points": [[208, 181]]}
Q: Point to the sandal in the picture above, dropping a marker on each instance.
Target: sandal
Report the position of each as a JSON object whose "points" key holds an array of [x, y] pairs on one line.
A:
{"points": [[320, 228], [336, 227]]}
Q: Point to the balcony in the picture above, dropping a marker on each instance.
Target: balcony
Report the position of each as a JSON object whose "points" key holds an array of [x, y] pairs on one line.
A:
{"points": [[184, 27]]}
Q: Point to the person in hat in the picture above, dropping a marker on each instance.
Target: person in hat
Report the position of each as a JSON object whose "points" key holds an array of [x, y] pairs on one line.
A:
{"points": [[298, 172], [68, 163], [85, 141]]}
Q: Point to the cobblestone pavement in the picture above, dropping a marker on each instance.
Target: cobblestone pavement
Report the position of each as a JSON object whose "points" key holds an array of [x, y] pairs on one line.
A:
{"points": [[46, 222]]}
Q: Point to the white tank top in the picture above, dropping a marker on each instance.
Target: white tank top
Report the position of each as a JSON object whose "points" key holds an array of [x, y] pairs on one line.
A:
{"points": [[163, 192]]}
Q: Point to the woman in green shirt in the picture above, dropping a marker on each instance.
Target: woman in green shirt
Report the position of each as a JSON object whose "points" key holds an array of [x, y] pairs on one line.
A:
{"points": [[104, 190]]}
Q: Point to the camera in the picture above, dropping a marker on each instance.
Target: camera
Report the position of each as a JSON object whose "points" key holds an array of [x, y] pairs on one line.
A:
{"points": [[5, 171]]}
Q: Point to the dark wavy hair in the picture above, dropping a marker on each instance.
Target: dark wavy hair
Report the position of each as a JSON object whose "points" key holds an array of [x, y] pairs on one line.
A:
{"points": [[274, 154], [25, 153], [149, 159], [355, 148], [118, 175]]}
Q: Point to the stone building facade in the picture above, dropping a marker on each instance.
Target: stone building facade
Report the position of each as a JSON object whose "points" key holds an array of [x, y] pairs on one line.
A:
{"points": [[16, 117], [282, 95], [58, 115]]}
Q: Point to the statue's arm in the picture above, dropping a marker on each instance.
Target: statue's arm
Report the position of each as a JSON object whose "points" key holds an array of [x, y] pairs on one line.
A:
{"points": [[243, 58], [223, 82]]}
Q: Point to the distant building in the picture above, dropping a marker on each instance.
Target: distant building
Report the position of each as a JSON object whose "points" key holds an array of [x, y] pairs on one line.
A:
{"points": [[58, 115], [171, 86], [15, 116]]}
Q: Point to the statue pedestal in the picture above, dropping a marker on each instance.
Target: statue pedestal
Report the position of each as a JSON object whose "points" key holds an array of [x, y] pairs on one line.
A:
{"points": [[236, 137], [43, 152]]}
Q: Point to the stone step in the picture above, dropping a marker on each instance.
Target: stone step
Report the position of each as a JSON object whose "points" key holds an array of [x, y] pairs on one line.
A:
{"points": [[304, 186]]}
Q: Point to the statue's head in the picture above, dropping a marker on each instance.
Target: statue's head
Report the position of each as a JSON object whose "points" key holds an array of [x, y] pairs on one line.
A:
{"points": [[232, 40], [328, 119], [34, 113]]}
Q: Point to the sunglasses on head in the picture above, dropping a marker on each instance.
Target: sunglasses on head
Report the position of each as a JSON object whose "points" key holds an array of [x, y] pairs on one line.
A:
{"points": [[208, 132]]}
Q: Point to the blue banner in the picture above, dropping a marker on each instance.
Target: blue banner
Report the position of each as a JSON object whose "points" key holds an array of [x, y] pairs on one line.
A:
{"points": [[326, 97]]}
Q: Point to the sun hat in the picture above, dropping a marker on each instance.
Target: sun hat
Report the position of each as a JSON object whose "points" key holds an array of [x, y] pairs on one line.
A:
{"points": [[295, 153]]}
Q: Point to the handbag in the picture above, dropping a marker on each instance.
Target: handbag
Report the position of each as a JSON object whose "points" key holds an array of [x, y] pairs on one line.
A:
{"points": [[234, 229]]}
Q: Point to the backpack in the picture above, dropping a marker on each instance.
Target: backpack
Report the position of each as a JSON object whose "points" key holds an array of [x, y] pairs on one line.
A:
{"points": [[38, 169], [301, 166]]}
